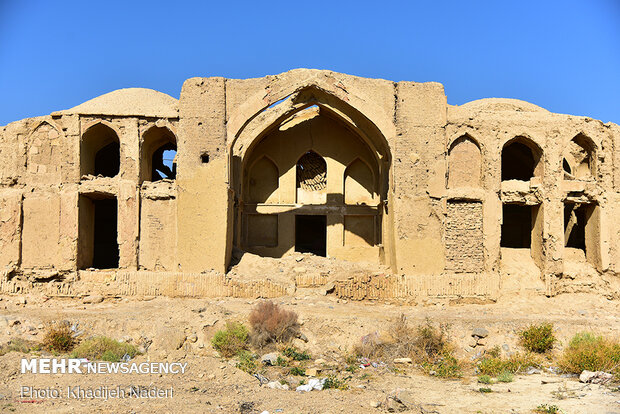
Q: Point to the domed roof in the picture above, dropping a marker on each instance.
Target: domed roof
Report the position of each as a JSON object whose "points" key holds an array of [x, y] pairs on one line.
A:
{"points": [[129, 102], [502, 104]]}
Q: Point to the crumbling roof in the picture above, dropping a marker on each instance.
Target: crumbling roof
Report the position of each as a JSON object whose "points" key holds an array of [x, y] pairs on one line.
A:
{"points": [[129, 102], [503, 104]]}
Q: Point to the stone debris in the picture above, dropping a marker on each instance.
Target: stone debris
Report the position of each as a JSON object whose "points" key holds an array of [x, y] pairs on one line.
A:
{"points": [[595, 377], [269, 359]]}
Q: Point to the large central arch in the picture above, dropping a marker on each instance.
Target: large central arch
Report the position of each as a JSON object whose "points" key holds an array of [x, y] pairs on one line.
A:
{"points": [[340, 208]]}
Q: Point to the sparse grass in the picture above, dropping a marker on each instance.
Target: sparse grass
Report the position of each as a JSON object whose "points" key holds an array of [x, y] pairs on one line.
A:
{"points": [[247, 362], [296, 355], [352, 368], [427, 345], [485, 390], [538, 338], [516, 363], [505, 377], [103, 348], [336, 383], [281, 362], [547, 409], [232, 340], [587, 351], [19, 345], [484, 379], [271, 323], [300, 372], [58, 337]]}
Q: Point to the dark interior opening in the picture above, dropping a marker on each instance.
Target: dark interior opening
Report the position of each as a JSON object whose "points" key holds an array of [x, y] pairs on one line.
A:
{"points": [[311, 235], [575, 216], [107, 160], [516, 226], [566, 166], [517, 162], [163, 163], [105, 254]]}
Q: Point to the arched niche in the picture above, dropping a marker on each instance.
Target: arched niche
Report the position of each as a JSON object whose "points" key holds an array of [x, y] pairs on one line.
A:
{"points": [[100, 151], [311, 178], [158, 155], [359, 183], [45, 152], [521, 160], [464, 163], [578, 162], [263, 181]]}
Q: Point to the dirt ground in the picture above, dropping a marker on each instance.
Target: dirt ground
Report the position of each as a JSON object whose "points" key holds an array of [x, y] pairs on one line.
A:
{"points": [[174, 329]]}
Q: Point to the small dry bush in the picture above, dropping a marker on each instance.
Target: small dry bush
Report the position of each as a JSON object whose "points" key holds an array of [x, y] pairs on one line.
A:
{"points": [[58, 337], [18, 345], [587, 351], [232, 340], [271, 323], [104, 349], [538, 338], [496, 365], [427, 345]]}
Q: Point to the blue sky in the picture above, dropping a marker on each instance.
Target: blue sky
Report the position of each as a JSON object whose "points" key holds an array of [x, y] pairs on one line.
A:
{"points": [[561, 55]]}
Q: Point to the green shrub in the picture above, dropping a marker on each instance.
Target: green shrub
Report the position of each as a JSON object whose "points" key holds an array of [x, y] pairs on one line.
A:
{"points": [[485, 390], [444, 366], [247, 362], [103, 348], [514, 364], [547, 409], [232, 340], [587, 351], [281, 362], [334, 382], [484, 379], [505, 377], [59, 337], [538, 338], [295, 354], [300, 372]]}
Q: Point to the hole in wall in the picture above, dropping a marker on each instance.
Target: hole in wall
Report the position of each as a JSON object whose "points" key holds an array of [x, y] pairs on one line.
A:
{"points": [[516, 226], [204, 158], [311, 234]]}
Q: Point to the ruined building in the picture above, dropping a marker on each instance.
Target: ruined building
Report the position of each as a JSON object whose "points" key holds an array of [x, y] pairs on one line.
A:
{"points": [[144, 193]]}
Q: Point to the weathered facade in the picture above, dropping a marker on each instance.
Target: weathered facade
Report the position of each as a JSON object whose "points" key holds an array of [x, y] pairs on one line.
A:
{"points": [[449, 197]]}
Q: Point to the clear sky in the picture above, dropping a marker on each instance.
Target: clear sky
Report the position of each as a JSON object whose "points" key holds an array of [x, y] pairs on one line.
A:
{"points": [[563, 55]]}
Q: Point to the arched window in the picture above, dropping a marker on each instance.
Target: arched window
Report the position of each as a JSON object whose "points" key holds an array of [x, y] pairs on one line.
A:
{"points": [[100, 151], [263, 181], [465, 163], [579, 158], [158, 161], [311, 172], [521, 160], [359, 184]]}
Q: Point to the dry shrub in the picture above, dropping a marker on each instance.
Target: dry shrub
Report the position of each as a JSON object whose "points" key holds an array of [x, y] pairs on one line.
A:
{"points": [[493, 364], [538, 338], [271, 323], [59, 337], [104, 349], [18, 345], [427, 345], [587, 351]]}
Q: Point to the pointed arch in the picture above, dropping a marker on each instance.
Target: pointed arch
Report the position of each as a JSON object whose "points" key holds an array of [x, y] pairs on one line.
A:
{"points": [[263, 181], [522, 159], [158, 154], [580, 155], [100, 151], [464, 163], [359, 183]]}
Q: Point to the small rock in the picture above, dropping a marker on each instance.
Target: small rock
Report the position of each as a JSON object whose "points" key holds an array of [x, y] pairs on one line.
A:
{"points": [[532, 371], [269, 359], [480, 333], [505, 347], [313, 384], [312, 372], [192, 338], [211, 376], [595, 377], [21, 301], [277, 386], [375, 404], [403, 361], [91, 299], [481, 342], [14, 322], [320, 361]]}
